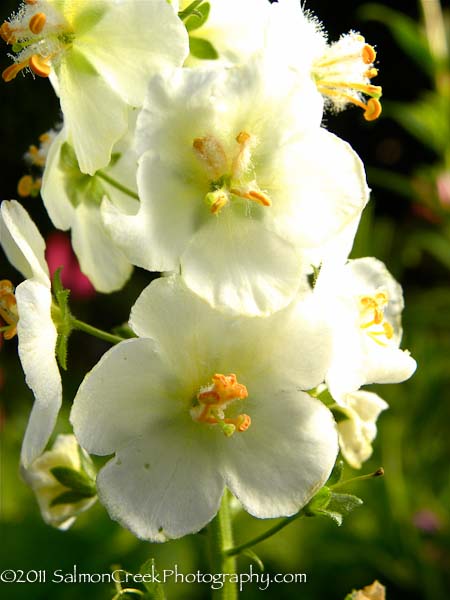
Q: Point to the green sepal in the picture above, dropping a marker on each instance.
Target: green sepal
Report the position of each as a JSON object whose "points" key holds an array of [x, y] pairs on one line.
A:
{"points": [[312, 277], [327, 503], [115, 156], [62, 318], [324, 396], [80, 187], [76, 481], [336, 473], [198, 18], [155, 589], [318, 502], [70, 497], [255, 558], [189, 10], [201, 48]]}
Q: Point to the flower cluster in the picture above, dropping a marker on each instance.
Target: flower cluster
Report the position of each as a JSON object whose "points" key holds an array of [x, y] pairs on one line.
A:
{"points": [[193, 145]]}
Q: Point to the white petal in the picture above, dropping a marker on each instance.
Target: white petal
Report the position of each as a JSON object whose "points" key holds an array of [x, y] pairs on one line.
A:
{"points": [[84, 96], [164, 485], [133, 41], [22, 242], [37, 340], [130, 374], [285, 457], [234, 262], [100, 259]]}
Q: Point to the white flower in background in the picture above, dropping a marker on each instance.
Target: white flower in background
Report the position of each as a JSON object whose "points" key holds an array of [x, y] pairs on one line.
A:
{"points": [[73, 201], [236, 179], [63, 480], [232, 28], [24, 247], [341, 70], [98, 55], [365, 303], [358, 430], [202, 400]]}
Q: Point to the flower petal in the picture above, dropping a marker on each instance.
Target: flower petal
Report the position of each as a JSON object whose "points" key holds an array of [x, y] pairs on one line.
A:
{"points": [[37, 340], [22, 242]]}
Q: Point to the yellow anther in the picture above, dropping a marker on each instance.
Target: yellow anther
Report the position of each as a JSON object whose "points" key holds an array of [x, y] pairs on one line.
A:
{"points": [[243, 137], [7, 33], [13, 70], [39, 65], [373, 109], [372, 318], [211, 153], [44, 137], [25, 186], [371, 73], [37, 23], [368, 54], [220, 201], [214, 399], [8, 309], [254, 195]]}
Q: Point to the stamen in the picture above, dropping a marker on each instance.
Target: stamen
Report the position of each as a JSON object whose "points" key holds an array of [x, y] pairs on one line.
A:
{"points": [[37, 23], [7, 33], [27, 186], [13, 70], [254, 195], [373, 109], [209, 150], [371, 73], [8, 309], [241, 161], [372, 307], [40, 66], [370, 90], [368, 54]]}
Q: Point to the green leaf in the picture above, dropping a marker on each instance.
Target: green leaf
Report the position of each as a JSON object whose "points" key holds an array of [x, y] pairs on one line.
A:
{"points": [[71, 497], [74, 480], [198, 19], [405, 31], [253, 556], [203, 49], [344, 503], [155, 589]]}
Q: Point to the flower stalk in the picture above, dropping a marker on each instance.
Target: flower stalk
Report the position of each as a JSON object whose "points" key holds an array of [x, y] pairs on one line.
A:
{"points": [[220, 534]]}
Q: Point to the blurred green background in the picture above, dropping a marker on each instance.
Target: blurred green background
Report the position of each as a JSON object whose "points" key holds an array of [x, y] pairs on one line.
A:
{"points": [[401, 534]]}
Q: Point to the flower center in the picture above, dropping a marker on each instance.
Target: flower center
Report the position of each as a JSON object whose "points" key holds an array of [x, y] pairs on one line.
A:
{"points": [[372, 318], [343, 74], [215, 398], [8, 309], [37, 34], [229, 176]]}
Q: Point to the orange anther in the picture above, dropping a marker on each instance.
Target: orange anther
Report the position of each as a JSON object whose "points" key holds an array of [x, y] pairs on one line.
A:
{"points": [[373, 110], [39, 65], [31, 1], [219, 203], [368, 54], [371, 73], [37, 23], [260, 198], [7, 33], [13, 70], [242, 137], [25, 186], [244, 422]]}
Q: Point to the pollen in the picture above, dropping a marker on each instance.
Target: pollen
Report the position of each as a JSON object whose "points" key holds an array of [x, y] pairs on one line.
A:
{"points": [[214, 399], [8, 309], [37, 23]]}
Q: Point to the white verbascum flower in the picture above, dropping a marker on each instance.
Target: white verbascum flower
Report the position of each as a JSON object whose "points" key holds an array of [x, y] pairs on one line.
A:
{"points": [[341, 70], [236, 179], [63, 480], [202, 400], [98, 55], [73, 201], [234, 29], [365, 304], [358, 430], [36, 331]]}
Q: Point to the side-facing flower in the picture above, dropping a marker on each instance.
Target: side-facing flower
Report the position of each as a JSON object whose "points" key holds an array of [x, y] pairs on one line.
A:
{"points": [[73, 200], [202, 400], [37, 334], [98, 55], [63, 480], [236, 180], [364, 303], [358, 430]]}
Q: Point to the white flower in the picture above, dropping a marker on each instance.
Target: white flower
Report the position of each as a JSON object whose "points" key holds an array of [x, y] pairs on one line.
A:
{"points": [[358, 430], [234, 28], [98, 55], [236, 179], [342, 70], [364, 303], [73, 201], [24, 247], [202, 400], [61, 503]]}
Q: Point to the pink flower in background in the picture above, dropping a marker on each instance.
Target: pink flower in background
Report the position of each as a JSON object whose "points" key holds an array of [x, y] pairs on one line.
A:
{"points": [[443, 189], [59, 253]]}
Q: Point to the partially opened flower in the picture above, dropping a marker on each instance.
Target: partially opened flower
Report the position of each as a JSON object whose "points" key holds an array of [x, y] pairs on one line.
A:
{"points": [[98, 55], [63, 480], [358, 430], [24, 247], [202, 400], [365, 303], [73, 201], [236, 180]]}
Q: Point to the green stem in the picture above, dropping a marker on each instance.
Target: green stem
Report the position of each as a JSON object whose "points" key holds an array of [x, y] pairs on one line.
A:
{"points": [[264, 536], [378, 473], [220, 535], [103, 335], [117, 185]]}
